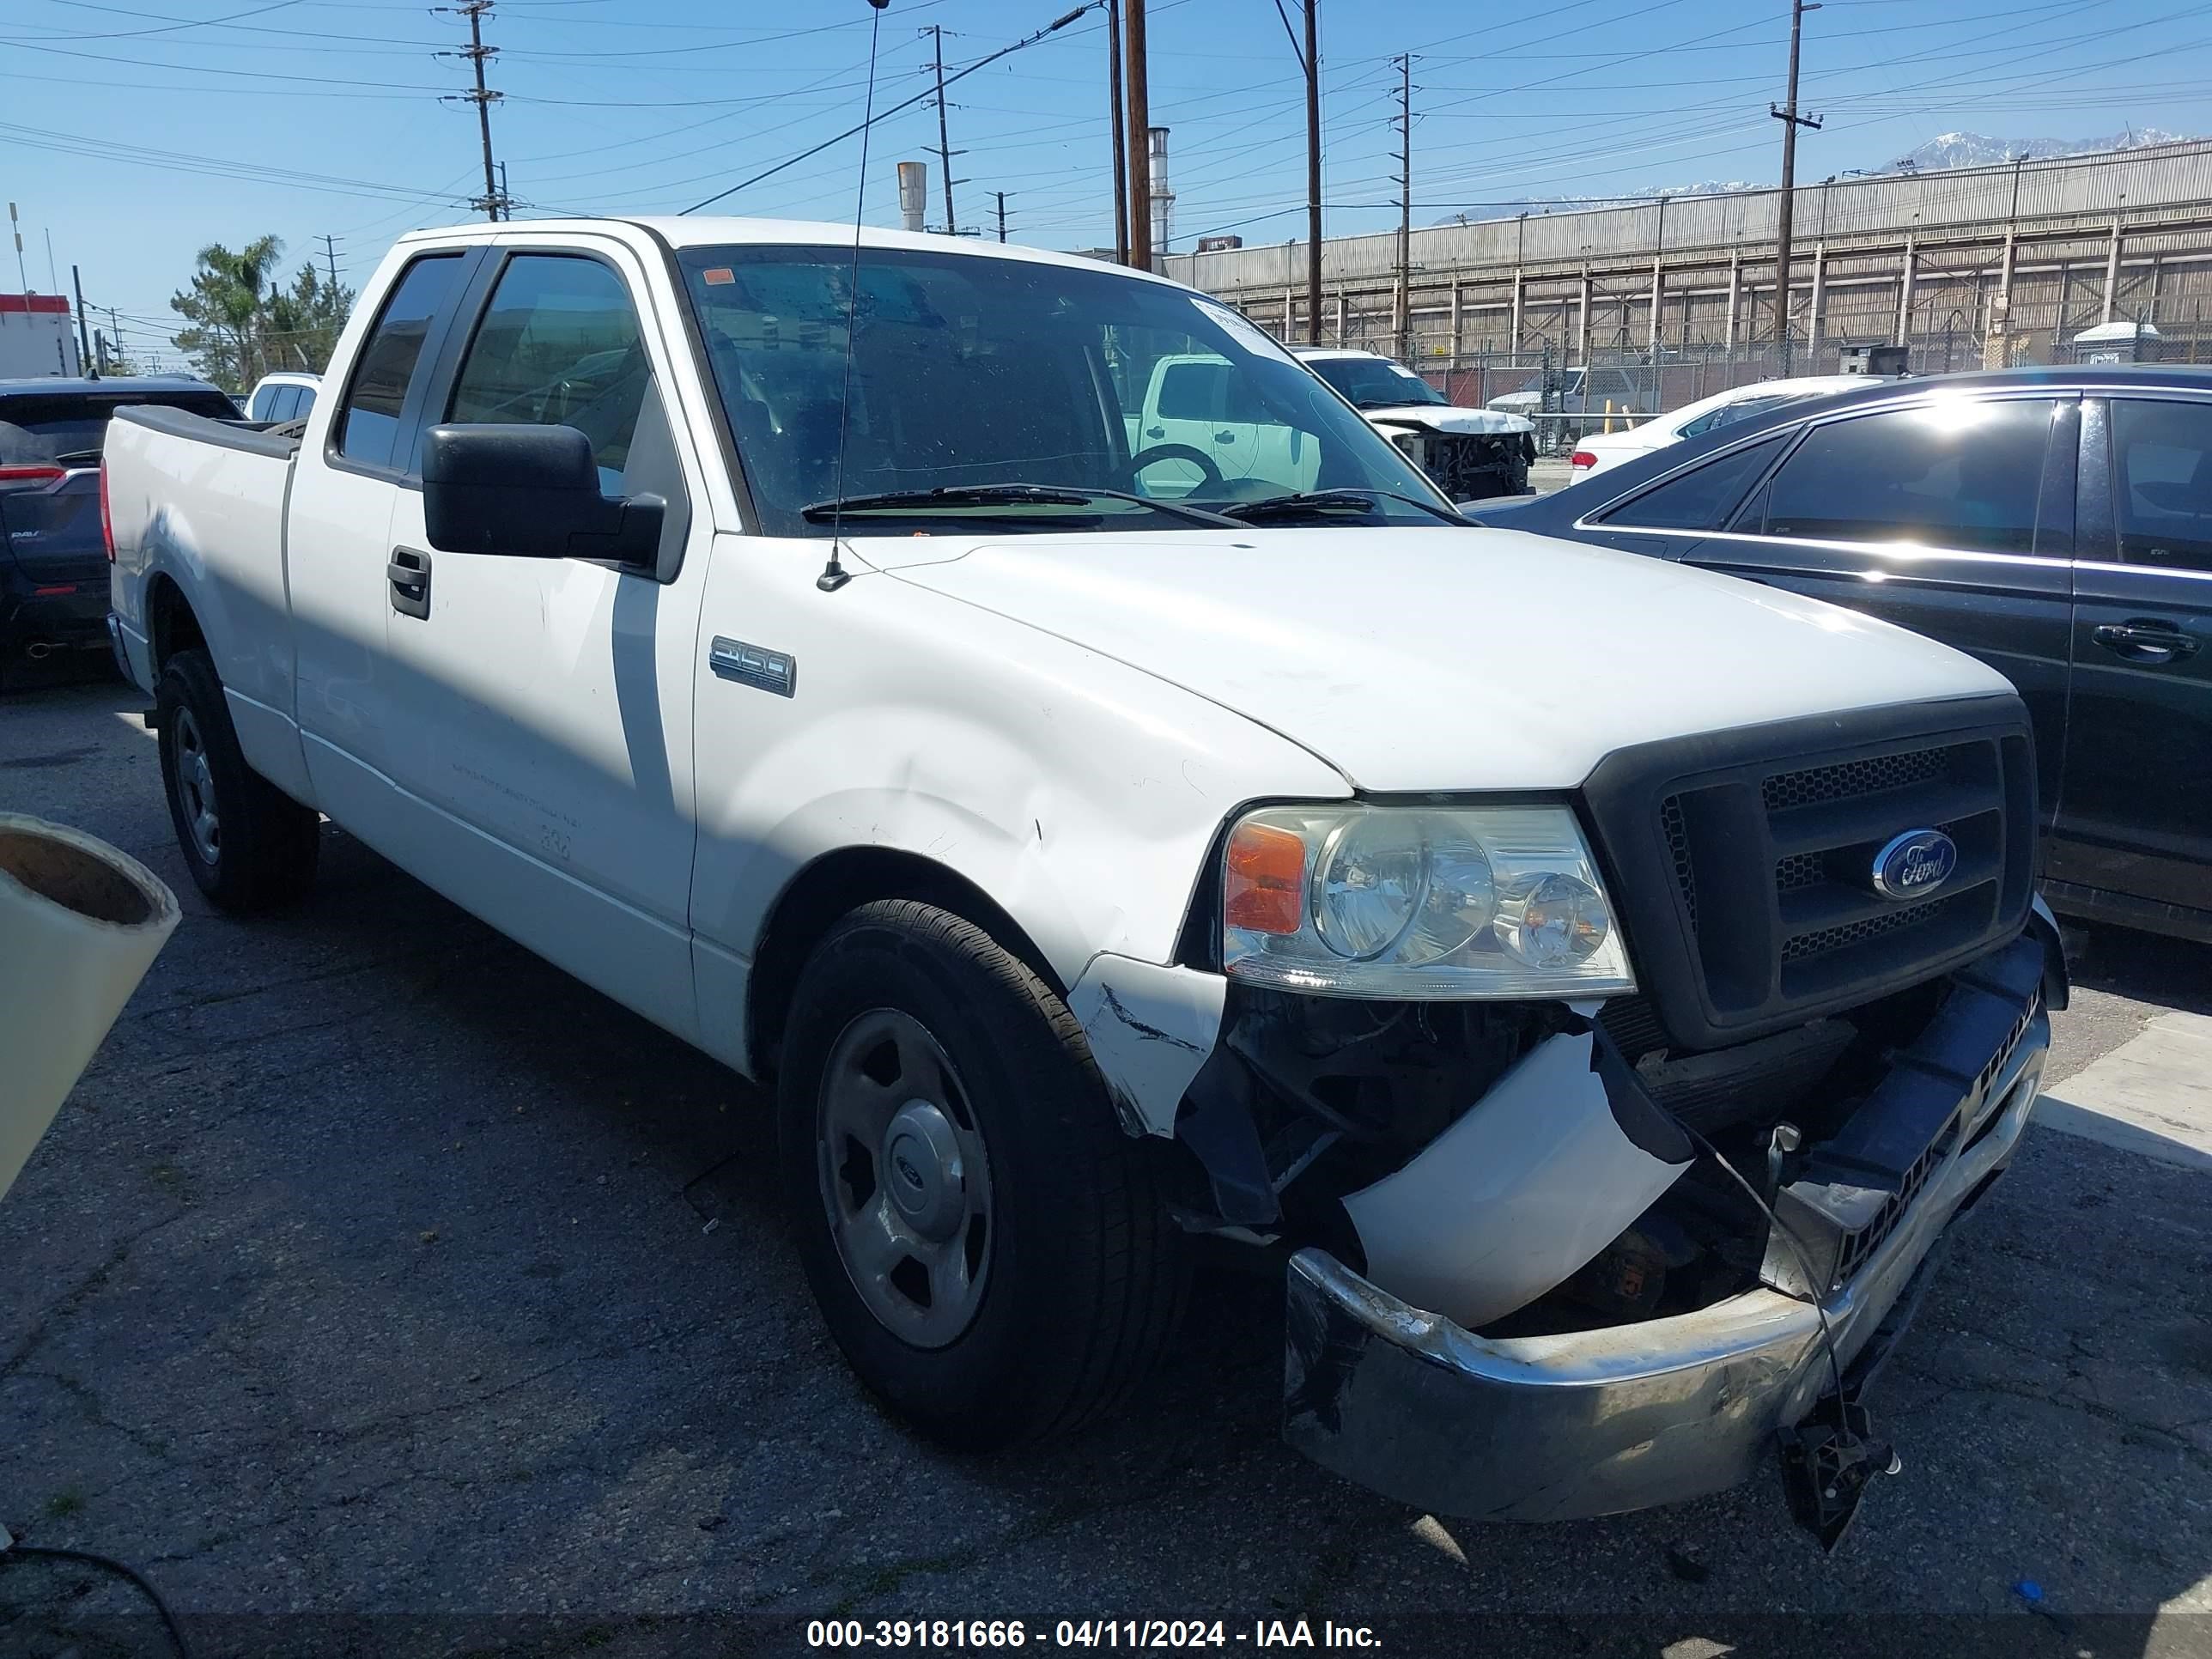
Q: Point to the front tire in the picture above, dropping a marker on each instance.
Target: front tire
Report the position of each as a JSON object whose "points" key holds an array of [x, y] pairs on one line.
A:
{"points": [[249, 847], [987, 1246]]}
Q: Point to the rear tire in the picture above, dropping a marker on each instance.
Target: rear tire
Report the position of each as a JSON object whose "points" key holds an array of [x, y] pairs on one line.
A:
{"points": [[920, 1049], [249, 847]]}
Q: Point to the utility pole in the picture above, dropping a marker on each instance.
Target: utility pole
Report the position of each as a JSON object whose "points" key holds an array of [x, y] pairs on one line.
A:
{"points": [[494, 200], [1140, 127], [1791, 120], [83, 338], [944, 143], [1405, 306], [1001, 194], [1313, 175], [331, 257], [1120, 154]]}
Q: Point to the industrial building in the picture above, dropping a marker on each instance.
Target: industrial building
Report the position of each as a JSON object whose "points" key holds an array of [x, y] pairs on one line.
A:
{"points": [[1989, 266]]}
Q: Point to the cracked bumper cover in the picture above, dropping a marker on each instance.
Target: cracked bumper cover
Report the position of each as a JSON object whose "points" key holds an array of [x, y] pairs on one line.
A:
{"points": [[1547, 1428]]}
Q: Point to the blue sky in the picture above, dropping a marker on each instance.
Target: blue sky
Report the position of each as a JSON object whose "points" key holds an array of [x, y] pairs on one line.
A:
{"points": [[134, 131]]}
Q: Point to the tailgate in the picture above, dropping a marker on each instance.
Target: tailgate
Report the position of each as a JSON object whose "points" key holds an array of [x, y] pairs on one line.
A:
{"points": [[53, 535]]}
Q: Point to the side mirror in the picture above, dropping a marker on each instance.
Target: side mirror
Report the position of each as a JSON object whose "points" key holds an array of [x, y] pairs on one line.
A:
{"points": [[529, 492]]}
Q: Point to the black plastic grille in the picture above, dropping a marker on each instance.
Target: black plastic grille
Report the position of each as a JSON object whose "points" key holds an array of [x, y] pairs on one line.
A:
{"points": [[1745, 859], [1678, 843], [1861, 1244], [1851, 779], [1800, 870], [1799, 946]]}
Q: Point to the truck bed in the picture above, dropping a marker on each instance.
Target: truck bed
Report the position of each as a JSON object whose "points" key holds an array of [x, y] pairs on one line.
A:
{"points": [[198, 505]]}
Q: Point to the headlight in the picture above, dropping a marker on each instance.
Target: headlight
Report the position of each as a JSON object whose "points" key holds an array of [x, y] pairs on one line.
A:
{"points": [[1419, 902]]}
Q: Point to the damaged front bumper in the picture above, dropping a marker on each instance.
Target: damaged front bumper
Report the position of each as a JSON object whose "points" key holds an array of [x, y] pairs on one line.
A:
{"points": [[1595, 1422]]}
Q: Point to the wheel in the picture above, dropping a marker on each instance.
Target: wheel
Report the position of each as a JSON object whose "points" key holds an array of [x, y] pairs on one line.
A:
{"points": [[987, 1246], [249, 846]]}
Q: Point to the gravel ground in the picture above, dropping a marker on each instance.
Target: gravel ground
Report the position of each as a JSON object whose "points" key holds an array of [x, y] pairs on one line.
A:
{"points": [[381, 1290]]}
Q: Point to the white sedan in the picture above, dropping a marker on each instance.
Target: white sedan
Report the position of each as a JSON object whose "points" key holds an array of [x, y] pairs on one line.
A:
{"points": [[1599, 451]]}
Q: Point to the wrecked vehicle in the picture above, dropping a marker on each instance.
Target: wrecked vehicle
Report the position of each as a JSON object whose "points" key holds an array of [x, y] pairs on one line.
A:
{"points": [[1471, 454], [1597, 985]]}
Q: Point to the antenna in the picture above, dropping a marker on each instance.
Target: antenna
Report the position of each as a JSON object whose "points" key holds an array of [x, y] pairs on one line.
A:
{"points": [[834, 574]]}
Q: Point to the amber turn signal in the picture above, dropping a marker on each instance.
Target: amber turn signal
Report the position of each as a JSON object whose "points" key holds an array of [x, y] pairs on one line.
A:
{"points": [[1266, 886]]}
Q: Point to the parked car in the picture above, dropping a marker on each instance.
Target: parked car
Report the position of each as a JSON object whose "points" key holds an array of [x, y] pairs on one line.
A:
{"points": [[1597, 451], [1089, 862], [2056, 523], [1472, 454], [53, 572], [285, 396]]}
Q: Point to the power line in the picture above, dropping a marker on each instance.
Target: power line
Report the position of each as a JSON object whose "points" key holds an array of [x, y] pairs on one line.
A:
{"points": [[1053, 28]]}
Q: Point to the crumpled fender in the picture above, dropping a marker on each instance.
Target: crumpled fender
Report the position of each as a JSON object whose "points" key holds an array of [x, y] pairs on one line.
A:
{"points": [[1150, 1028]]}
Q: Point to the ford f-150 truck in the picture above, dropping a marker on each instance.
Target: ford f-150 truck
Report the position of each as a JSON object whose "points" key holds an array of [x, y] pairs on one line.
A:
{"points": [[1593, 986]]}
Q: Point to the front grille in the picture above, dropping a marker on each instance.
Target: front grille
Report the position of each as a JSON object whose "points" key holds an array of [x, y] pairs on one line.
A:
{"points": [[1678, 844], [1864, 777], [1746, 859], [1798, 946]]}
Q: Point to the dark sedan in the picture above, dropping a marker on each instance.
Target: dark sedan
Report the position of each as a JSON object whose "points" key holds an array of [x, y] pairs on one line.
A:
{"points": [[53, 566], [2056, 523]]}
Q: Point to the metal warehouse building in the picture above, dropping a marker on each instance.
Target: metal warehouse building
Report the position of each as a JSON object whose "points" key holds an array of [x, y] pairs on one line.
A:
{"points": [[1997, 265]]}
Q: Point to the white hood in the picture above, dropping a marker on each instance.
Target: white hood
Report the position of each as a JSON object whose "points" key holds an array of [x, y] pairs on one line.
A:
{"points": [[1434, 659], [1446, 417]]}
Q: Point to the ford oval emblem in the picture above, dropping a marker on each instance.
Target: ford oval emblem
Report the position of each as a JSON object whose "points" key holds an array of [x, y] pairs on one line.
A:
{"points": [[1915, 864]]}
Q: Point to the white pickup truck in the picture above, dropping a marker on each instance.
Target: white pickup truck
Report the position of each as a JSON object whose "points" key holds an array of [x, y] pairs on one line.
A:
{"points": [[1593, 984]]}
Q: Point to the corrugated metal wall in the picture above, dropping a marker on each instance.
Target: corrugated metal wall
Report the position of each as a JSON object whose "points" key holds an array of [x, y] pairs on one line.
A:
{"points": [[1920, 259]]}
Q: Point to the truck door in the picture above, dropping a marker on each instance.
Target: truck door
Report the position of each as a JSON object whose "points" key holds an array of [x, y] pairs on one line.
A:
{"points": [[2138, 821], [343, 486], [1188, 405], [547, 703]]}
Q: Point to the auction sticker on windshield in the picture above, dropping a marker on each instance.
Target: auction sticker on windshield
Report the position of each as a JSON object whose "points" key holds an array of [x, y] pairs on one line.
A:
{"points": [[1241, 329]]}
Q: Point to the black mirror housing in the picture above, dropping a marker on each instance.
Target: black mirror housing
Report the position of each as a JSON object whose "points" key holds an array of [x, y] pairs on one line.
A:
{"points": [[528, 492]]}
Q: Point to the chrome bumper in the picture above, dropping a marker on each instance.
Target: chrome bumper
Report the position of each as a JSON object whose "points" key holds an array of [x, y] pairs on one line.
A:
{"points": [[1550, 1428]]}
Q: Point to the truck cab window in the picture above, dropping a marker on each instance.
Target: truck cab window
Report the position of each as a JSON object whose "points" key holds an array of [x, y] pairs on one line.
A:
{"points": [[368, 428], [559, 345]]}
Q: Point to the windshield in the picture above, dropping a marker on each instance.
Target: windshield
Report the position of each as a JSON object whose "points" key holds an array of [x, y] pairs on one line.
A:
{"points": [[1374, 383], [969, 371]]}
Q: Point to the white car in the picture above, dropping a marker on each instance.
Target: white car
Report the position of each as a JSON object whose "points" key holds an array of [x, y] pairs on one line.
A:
{"points": [[1599, 450], [285, 396], [1473, 454], [1082, 862]]}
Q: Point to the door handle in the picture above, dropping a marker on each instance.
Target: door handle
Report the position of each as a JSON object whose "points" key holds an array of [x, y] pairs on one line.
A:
{"points": [[1156, 432], [1225, 437], [408, 572], [2144, 640]]}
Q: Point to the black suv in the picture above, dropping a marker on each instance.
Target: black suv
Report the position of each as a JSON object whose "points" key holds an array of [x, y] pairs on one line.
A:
{"points": [[2056, 523], [53, 561]]}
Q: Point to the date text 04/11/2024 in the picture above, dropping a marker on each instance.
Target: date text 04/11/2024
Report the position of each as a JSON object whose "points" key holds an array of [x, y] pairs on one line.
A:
{"points": [[977, 1635]]}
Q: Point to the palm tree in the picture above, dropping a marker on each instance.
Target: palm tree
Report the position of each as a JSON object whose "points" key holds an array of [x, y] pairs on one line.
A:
{"points": [[226, 300]]}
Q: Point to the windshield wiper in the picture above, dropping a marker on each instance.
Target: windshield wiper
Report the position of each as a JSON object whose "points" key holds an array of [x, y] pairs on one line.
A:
{"points": [[1302, 502], [958, 497]]}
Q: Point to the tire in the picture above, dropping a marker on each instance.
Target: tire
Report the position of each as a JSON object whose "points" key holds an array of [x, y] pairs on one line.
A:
{"points": [[1081, 1272], [249, 847]]}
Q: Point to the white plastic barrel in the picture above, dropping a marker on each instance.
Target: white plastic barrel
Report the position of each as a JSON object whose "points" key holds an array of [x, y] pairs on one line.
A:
{"points": [[80, 923]]}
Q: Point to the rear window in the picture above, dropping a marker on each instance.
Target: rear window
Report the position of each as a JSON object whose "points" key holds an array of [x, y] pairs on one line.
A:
{"points": [[46, 429]]}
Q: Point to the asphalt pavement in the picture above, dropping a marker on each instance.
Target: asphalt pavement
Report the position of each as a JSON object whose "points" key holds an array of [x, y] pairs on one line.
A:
{"points": [[381, 1290]]}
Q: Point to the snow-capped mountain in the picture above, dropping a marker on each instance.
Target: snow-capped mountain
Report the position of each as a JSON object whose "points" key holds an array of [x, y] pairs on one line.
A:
{"points": [[1949, 150], [1978, 150]]}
